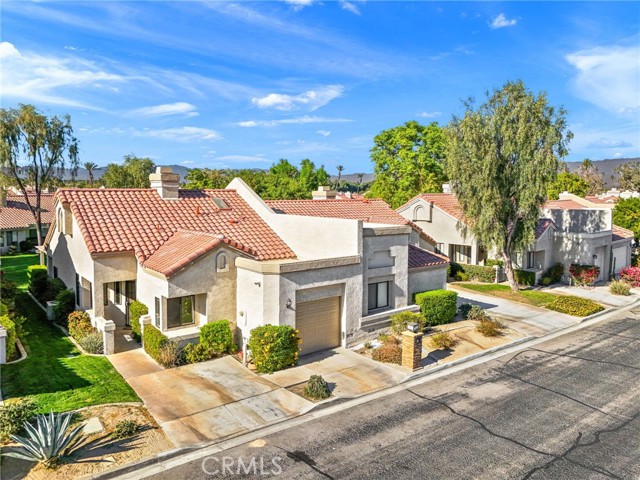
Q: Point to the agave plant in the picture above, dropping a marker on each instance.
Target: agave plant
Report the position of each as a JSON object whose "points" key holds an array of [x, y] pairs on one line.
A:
{"points": [[48, 441]]}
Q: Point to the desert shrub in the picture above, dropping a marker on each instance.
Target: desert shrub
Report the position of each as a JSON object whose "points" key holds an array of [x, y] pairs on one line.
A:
{"points": [[54, 287], [10, 327], [38, 281], [442, 340], [477, 314], [65, 304], [461, 277], [576, 306], [153, 340], [399, 321], [437, 306], [631, 275], [523, 277], [126, 429], [618, 287], [480, 273], [317, 388], [79, 324], [274, 347], [490, 327], [169, 355], [136, 310], [492, 262], [92, 342], [388, 352], [218, 337], [464, 309], [13, 415], [584, 275], [554, 274], [196, 352]]}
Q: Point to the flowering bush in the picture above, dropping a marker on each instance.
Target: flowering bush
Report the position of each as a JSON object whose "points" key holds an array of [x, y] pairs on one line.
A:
{"points": [[584, 274], [631, 275]]}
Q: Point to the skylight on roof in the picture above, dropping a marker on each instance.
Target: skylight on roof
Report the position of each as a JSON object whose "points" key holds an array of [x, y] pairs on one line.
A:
{"points": [[220, 203]]}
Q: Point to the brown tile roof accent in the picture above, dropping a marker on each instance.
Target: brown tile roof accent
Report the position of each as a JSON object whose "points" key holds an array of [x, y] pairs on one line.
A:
{"points": [[619, 233], [445, 201], [542, 225], [419, 258], [16, 215], [563, 205], [139, 221], [184, 247], [606, 200]]}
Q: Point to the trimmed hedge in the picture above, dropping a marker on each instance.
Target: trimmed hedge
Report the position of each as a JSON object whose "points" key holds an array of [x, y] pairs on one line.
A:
{"points": [[65, 304], [437, 306], [480, 273], [218, 337], [10, 327], [153, 341], [136, 310], [38, 281], [54, 287], [576, 306], [274, 347], [524, 277], [554, 273]]}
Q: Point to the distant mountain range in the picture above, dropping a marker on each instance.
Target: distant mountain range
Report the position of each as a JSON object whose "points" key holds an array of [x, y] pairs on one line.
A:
{"points": [[83, 174], [606, 167]]}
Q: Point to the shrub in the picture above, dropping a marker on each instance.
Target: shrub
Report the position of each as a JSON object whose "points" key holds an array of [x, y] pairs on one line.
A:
{"points": [[65, 304], [126, 429], [217, 337], [136, 310], [92, 342], [196, 352], [442, 340], [38, 281], [461, 277], [631, 275], [491, 262], [26, 245], [480, 273], [438, 306], [553, 274], [12, 249], [317, 388], [274, 347], [477, 314], [8, 291], [48, 441], [545, 281], [454, 268], [169, 355], [153, 340], [54, 287], [79, 324], [10, 327], [618, 287], [399, 321], [388, 352], [490, 327], [13, 415], [464, 309], [576, 306], [584, 275], [524, 277]]}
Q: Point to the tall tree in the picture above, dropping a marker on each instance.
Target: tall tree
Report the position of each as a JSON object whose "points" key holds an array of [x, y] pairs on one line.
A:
{"points": [[340, 169], [567, 182], [133, 173], [90, 167], [408, 160], [626, 214], [360, 177], [34, 151], [629, 176], [590, 174], [501, 159]]}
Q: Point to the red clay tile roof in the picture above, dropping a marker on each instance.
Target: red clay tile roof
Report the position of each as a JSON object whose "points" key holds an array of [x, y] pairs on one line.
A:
{"points": [[619, 233], [563, 205], [419, 258], [445, 201], [139, 221], [16, 215], [606, 200], [542, 225]]}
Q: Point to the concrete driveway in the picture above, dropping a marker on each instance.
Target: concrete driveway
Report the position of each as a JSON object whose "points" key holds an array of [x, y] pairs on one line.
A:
{"points": [[204, 402]]}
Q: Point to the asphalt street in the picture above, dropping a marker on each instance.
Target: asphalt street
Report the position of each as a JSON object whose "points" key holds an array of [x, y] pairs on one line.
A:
{"points": [[567, 409]]}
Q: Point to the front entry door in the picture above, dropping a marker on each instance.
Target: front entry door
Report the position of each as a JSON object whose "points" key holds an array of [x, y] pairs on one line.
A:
{"points": [[130, 296]]}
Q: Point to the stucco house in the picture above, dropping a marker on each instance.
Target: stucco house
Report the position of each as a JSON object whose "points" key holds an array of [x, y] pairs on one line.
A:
{"points": [[334, 269], [16, 221], [569, 230]]}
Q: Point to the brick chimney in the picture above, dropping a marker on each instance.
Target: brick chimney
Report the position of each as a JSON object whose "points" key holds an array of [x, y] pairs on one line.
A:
{"points": [[324, 193], [165, 182]]}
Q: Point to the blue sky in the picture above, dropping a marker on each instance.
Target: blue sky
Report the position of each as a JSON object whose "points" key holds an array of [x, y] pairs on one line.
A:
{"points": [[222, 84]]}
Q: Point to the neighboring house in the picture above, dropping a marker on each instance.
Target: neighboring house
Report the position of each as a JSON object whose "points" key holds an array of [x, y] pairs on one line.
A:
{"points": [[334, 269], [570, 230], [16, 221]]}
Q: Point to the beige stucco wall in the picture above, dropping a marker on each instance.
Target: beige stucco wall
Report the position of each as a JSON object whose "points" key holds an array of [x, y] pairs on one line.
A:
{"points": [[423, 279]]}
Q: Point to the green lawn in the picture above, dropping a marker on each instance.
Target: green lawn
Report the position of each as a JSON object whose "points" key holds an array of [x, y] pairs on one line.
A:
{"points": [[55, 374], [15, 268], [531, 297]]}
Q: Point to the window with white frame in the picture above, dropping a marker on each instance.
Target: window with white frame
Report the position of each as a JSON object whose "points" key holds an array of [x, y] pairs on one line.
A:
{"points": [[460, 253]]}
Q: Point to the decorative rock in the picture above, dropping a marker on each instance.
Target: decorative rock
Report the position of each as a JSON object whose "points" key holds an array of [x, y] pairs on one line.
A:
{"points": [[92, 426]]}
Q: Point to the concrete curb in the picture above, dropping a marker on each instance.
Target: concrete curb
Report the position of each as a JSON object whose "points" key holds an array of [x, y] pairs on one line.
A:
{"points": [[23, 353]]}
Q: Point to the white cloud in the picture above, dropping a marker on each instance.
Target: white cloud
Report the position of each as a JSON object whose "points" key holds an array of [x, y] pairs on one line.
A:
{"points": [[291, 121], [299, 4], [178, 108], [181, 134], [187, 162], [311, 99], [349, 7], [324, 133], [608, 77], [429, 114], [605, 142], [243, 159], [502, 21]]}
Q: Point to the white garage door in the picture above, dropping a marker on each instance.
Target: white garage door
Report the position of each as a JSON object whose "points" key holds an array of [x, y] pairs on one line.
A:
{"points": [[619, 259], [319, 324]]}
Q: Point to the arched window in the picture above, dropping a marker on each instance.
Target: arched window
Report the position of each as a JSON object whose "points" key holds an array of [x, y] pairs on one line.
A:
{"points": [[222, 263], [419, 213]]}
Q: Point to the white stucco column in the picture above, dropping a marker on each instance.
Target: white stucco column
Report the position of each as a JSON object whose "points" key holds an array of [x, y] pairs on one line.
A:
{"points": [[144, 321], [108, 337], [3, 346]]}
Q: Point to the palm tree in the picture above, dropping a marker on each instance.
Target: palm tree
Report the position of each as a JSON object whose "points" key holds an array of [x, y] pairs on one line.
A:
{"points": [[360, 176], [90, 167], [340, 168]]}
